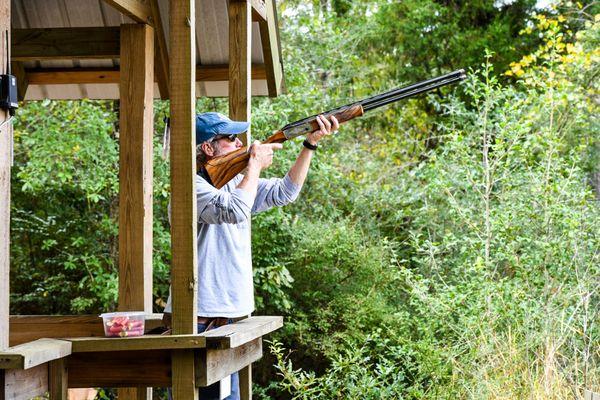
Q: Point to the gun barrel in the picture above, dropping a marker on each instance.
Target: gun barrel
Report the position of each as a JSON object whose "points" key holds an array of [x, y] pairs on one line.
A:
{"points": [[412, 90], [382, 99]]}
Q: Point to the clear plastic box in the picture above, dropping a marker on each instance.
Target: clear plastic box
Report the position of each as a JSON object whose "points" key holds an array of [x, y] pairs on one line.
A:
{"points": [[123, 324]]}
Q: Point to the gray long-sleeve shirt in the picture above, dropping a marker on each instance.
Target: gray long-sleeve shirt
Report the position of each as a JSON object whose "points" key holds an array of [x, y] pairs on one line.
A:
{"points": [[225, 286]]}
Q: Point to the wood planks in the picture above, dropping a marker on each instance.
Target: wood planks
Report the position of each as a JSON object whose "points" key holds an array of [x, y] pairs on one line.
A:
{"points": [[56, 76], [120, 369], [244, 331], [240, 21], [270, 44], [135, 168], [58, 379], [65, 43], [6, 143], [29, 355], [26, 328], [161, 53], [136, 90], [137, 10], [184, 274], [215, 364], [17, 384], [146, 342]]}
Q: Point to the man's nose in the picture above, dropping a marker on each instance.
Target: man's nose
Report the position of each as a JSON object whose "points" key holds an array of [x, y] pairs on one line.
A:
{"points": [[238, 143]]}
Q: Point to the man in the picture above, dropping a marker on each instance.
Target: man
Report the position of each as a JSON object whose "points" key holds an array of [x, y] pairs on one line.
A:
{"points": [[225, 289]]}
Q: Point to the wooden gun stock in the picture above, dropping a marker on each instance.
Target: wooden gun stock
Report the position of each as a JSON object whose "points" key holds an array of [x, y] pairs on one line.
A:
{"points": [[224, 168]]}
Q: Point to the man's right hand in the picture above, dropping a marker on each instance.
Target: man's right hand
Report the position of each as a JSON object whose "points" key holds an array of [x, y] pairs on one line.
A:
{"points": [[261, 155]]}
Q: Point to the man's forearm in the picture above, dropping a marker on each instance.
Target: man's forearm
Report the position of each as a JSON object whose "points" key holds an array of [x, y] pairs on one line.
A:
{"points": [[299, 170], [250, 181]]}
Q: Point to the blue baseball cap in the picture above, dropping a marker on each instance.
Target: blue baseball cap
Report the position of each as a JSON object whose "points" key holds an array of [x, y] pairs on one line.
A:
{"points": [[211, 124]]}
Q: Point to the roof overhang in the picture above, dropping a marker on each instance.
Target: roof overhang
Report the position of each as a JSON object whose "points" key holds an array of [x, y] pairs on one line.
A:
{"points": [[72, 51]]}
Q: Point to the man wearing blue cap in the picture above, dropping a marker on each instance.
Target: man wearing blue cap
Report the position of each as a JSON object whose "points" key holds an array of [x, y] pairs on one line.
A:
{"points": [[225, 285]]}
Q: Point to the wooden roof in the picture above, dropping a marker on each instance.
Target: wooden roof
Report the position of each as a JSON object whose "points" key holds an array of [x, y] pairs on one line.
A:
{"points": [[81, 60]]}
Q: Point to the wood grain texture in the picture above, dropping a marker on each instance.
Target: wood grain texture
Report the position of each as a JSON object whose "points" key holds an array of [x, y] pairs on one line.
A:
{"points": [[259, 11], [120, 369], [184, 273], [242, 332], [63, 76], [59, 76], [246, 382], [146, 342], [65, 43], [58, 379], [240, 55], [32, 354], [215, 364], [5, 167], [20, 384], [161, 52], [270, 45], [223, 169], [138, 10], [27, 328], [135, 167]]}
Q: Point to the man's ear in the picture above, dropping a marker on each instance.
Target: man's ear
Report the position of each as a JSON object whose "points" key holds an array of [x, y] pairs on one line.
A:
{"points": [[207, 149]]}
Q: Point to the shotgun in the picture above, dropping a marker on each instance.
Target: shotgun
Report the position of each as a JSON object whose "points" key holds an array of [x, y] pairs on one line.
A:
{"points": [[222, 169]]}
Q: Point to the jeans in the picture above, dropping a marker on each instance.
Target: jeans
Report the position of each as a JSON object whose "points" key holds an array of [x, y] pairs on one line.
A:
{"points": [[212, 392]]}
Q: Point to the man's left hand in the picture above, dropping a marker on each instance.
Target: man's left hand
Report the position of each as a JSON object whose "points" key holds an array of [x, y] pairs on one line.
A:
{"points": [[327, 128]]}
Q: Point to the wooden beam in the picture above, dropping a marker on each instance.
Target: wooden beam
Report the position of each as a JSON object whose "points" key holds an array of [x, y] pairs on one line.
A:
{"points": [[62, 76], [270, 44], [246, 382], [259, 11], [134, 9], [136, 124], [27, 328], [58, 379], [135, 173], [184, 270], [65, 43], [209, 73], [6, 143], [29, 355], [18, 70], [146, 342], [214, 365], [240, 37], [244, 331], [161, 53], [120, 369], [18, 384]]}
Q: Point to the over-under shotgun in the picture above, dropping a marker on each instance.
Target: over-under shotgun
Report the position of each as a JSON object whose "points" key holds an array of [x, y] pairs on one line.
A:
{"points": [[224, 168]]}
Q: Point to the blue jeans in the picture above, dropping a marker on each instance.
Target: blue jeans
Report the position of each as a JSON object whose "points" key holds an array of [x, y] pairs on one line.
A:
{"points": [[212, 392]]}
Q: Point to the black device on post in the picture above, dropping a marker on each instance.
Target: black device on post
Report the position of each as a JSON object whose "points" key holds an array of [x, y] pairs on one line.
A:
{"points": [[8, 85]]}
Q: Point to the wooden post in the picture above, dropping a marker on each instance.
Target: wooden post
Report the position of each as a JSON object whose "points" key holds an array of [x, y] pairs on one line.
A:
{"points": [[5, 165], [184, 270], [135, 175], [57, 379], [269, 36], [240, 37], [240, 80]]}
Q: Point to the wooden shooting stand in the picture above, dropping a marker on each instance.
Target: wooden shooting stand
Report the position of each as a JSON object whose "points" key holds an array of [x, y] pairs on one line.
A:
{"points": [[135, 51]]}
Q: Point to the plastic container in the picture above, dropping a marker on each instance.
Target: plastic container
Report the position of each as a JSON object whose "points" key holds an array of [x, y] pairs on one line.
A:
{"points": [[123, 324]]}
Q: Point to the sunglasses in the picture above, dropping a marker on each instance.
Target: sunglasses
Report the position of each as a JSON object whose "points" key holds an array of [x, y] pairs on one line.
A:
{"points": [[230, 138]]}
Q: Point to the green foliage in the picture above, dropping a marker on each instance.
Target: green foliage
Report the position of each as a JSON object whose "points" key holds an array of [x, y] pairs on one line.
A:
{"points": [[65, 208], [496, 294]]}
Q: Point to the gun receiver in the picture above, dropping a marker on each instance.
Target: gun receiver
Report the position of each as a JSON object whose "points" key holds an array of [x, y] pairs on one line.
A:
{"points": [[224, 168]]}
